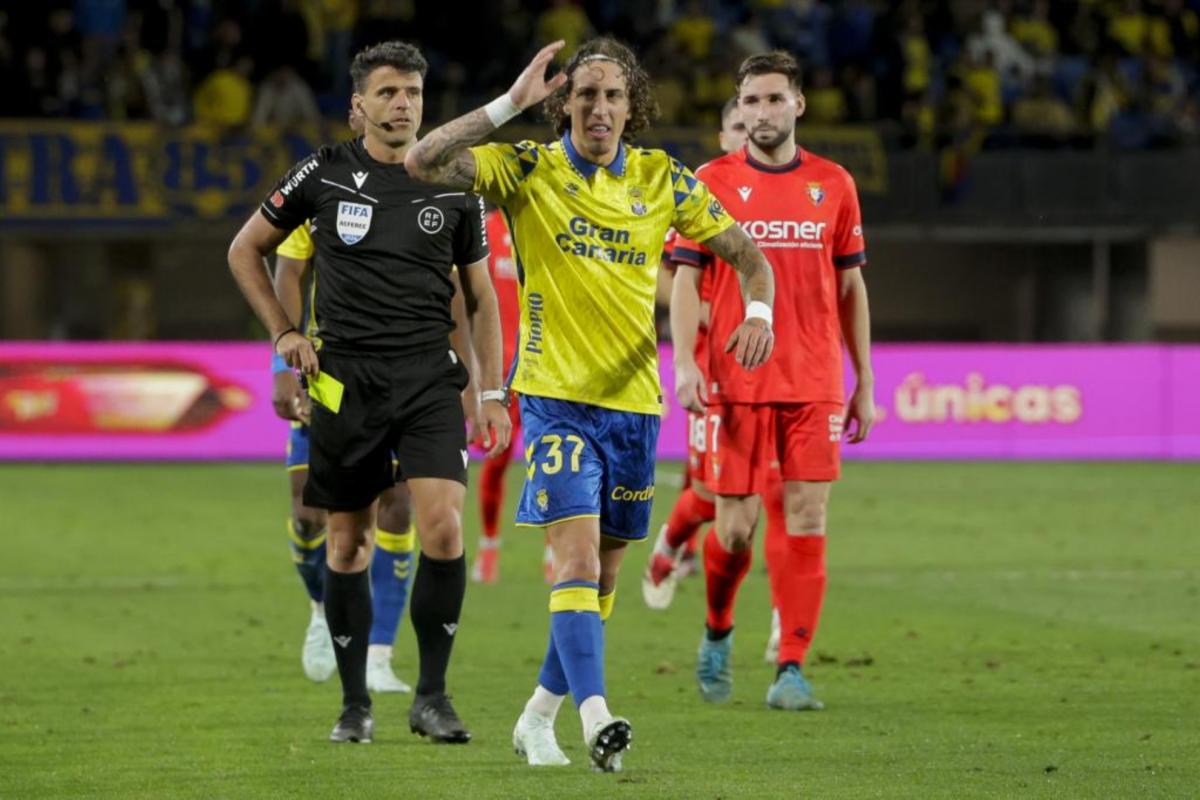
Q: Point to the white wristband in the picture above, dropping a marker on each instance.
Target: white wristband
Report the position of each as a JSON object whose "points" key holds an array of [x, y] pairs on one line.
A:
{"points": [[499, 395], [757, 309], [501, 110]]}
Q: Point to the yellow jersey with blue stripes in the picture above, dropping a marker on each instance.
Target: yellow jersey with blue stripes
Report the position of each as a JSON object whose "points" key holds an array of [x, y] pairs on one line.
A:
{"points": [[587, 242]]}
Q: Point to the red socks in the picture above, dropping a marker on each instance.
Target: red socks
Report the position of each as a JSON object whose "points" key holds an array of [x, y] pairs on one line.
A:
{"points": [[723, 574], [491, 494], [775, 545], [800, 595], [690, 512]]}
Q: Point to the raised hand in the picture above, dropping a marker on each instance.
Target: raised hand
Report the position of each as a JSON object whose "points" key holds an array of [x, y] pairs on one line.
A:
{"points": [[531, 86]]}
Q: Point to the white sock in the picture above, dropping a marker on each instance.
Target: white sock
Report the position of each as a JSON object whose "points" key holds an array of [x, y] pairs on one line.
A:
{"points": [[379, 652], [591, 711], [661, 546], [544, 702], [318, 609]]}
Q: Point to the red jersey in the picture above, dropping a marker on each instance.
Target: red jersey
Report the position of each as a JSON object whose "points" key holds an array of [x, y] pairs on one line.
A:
{"points": [[503, 269], [805, 218]]}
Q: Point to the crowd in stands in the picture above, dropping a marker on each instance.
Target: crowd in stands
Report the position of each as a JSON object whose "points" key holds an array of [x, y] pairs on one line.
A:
{"points": [[1122, 73]]}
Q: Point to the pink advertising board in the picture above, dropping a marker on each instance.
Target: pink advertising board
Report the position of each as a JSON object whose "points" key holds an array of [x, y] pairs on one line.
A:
{"points": [[212, 401]]}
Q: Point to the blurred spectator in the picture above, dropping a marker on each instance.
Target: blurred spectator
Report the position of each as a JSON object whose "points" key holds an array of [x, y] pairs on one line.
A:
{"points": [[1129, 27], [850, 32], [164, 81], [1035, 33], [125, 94], [565, 20], [1182, 32], [1106, 94], [339, 17], [825, 100], [223, 98], [918, 58], [1041, 118], [982, 82], [285, 101], [993, 45], [693, 31], [801, 27], [747, 36], [909, 67]]}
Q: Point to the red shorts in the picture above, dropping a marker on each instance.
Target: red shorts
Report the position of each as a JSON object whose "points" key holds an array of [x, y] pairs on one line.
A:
{"points": [[696, 447], [746, 442]]}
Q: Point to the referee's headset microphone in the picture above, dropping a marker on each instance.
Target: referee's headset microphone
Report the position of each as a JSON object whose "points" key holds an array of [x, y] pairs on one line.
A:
{"points": [[383, 126]]}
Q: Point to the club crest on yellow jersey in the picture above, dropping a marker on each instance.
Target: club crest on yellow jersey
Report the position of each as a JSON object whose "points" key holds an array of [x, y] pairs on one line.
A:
{"points": [[637, 201]]}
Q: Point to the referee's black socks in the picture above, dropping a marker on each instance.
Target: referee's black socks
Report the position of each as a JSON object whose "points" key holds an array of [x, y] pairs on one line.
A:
{"points": [[348, 612], [437, 598]]}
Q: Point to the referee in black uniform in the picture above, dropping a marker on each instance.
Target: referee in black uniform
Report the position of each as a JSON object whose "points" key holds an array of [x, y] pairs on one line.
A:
{"points": [[381, 370]]}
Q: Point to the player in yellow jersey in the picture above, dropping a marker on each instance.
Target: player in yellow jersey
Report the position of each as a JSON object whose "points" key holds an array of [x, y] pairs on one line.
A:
{"points": [[588, 214]]}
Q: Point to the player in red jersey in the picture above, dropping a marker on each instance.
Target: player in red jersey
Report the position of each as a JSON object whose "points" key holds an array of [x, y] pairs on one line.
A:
{"points": [[802, 211], [674, 550], [503, 270]]}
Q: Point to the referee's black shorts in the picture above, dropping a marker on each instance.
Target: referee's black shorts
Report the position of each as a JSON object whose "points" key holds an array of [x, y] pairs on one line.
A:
{"points": [[409, 405]]}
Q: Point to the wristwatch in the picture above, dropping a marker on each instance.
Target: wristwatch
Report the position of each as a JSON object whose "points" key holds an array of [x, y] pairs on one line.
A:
{"points": [[501, 396]]}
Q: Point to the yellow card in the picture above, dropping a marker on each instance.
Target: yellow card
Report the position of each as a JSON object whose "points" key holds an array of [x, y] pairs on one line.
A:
{"points": [[326, 390]]}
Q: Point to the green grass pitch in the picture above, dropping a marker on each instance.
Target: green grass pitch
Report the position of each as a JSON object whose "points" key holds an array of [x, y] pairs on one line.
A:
{"points": [[991, 630]]}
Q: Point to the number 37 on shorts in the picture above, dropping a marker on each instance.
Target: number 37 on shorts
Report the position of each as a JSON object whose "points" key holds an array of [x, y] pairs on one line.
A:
{"points": [[585, 461]]}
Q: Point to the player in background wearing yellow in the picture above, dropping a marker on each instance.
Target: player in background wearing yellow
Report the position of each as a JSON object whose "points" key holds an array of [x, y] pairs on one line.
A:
{"points": [[588, 214]]}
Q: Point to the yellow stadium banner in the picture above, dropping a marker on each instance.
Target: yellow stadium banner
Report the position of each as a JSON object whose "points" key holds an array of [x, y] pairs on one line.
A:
{"points": [[142, 173]]}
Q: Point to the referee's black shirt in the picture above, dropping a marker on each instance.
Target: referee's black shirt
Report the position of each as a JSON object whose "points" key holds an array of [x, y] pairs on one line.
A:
{"points": [[385, 245]]}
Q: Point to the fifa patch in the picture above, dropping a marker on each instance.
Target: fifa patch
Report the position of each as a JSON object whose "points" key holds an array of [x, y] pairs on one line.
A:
{"points": [[637, 202], [353, 221], [816, 193], [543, 499]]}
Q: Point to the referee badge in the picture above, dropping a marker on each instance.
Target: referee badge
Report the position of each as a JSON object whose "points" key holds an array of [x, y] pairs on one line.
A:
{"points": [[353, 221], [637, 203]]}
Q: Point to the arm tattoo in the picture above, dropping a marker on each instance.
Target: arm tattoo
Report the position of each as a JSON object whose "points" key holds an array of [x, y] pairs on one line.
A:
{"points": [[441, 155], [754, 272]]}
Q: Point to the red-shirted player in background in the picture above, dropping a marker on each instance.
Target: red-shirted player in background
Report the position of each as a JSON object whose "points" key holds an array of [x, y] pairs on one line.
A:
{"points": [[802, 211], [503, 270], [673, 554]]}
